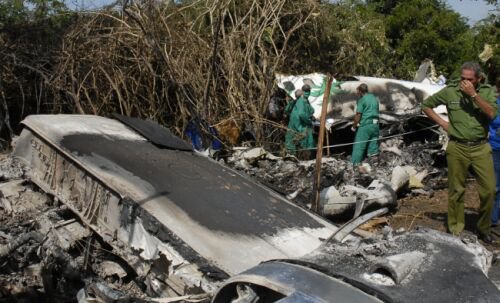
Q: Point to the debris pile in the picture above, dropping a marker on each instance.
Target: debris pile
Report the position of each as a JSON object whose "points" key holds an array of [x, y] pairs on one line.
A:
{"points": [[48, 255], [53, 251], [406, 264], [400, 168], [10, 168]]}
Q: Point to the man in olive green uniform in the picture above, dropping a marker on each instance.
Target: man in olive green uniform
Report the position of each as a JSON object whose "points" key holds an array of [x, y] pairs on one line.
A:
{"points": [[300, 128], [366, 123], [471, 106]]}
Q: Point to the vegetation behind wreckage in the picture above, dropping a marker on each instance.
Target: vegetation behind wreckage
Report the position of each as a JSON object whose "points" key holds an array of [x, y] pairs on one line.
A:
{"points": [[173, 61]]}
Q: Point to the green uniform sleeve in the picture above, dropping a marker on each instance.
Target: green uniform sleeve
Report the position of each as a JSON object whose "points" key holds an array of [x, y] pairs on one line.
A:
{"points": [[360, 106], [489, 96], [289, 107], [310, 109], [438, 98], [304, 112]]}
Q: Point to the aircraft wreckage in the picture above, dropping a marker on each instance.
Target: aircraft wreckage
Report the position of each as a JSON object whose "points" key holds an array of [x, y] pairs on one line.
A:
{"points": [[194, 226], [398, 99], [411, 146]]}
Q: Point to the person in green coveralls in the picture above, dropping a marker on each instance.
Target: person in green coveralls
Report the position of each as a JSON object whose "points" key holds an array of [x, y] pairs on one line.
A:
{"points": [[300, 127], [365, 125], [471, 106]]}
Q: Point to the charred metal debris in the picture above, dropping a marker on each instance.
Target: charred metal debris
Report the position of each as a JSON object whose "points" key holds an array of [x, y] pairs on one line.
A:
{"points": [[97, 210], [411, 160], [402, 168]]}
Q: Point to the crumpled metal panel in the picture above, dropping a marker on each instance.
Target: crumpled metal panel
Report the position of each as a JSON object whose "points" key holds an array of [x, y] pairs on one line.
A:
{"points": [[410, 267], [422, 266], [224, 217], [298, 283]]}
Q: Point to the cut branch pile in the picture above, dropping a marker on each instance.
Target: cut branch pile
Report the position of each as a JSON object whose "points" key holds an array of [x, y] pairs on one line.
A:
{"points": [[177, 61], [210, 60]]}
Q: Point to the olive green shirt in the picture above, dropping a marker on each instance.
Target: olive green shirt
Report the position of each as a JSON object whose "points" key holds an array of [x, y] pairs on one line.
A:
{"points": [[467, 120]]}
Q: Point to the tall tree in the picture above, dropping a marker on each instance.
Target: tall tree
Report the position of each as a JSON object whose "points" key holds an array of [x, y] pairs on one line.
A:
{"points": [[384, 7], [487, 41], [421, 29], [346, 38], [30, 32]]}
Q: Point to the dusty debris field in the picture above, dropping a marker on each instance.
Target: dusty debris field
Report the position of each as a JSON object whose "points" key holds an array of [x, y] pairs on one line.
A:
{"points": [[41, 260], [46, 255]]}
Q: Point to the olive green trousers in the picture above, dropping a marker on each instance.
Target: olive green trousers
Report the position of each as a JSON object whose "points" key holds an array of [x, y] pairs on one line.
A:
{"points": [[460, 158]]}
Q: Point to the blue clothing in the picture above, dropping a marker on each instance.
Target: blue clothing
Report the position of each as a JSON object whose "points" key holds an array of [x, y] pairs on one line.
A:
{"points": [[496, 207], [494, 137], [194, 134], [494, 131]]}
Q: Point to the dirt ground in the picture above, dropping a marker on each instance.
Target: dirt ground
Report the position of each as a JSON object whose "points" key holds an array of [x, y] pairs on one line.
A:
{"points": [[430, 211]]}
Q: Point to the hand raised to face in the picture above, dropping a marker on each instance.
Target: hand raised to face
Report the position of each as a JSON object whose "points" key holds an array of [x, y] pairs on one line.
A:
{"points": [[467, 87]]}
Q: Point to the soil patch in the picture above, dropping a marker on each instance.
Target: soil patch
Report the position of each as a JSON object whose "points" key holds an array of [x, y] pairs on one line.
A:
{"points": [[431, 210]]}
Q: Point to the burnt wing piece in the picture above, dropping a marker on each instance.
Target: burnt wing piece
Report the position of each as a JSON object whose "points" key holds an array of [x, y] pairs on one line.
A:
{"points": [[410, 267], [418, 266], [205, 220], [157, 134], [285, 282], [192, 223]]}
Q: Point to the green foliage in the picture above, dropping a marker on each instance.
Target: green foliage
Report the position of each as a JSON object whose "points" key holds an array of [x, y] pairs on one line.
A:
{"points": [[421, 29], [487, 32], [345, 38], [163, 49], [12, 11], [30, 35], [384, 7], [383, 38], [24, 11], [35, 22]]}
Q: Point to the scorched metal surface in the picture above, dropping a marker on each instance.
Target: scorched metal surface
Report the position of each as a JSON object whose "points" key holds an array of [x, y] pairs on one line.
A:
{"points": [[226, 218], [213, 196], [155, 133]]}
